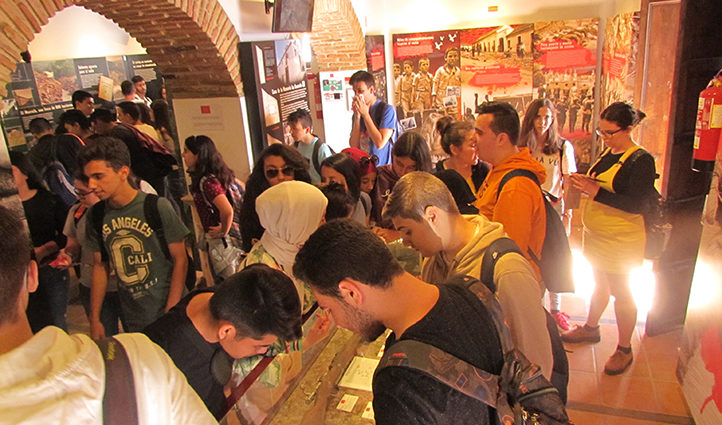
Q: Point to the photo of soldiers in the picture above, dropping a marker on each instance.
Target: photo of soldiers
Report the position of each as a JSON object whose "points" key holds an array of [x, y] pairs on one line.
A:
{"points": [[447, 82], [427, 78], [423, 86], [397, 83], [406, 89]]}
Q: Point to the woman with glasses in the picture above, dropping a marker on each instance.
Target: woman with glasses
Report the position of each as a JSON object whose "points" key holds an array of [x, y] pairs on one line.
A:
{"points": [[614, 235], [277, 163], [539, 132], [211, 180], [459, 142]]}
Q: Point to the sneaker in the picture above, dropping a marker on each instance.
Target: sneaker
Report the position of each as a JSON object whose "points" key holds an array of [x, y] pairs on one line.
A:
{"points": [[562, 320], [582, 334], [618, 362]]}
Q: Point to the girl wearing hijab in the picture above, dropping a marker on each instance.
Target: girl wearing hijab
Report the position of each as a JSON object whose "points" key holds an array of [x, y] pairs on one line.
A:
{"points": [[277, 163], [289, 212]]}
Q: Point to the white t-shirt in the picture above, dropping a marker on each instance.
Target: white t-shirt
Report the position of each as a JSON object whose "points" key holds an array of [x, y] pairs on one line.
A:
{"points": [[56, 378], [553, 183]]}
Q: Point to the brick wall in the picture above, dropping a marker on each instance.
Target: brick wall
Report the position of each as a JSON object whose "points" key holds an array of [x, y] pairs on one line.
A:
{"points": [[192, 41], [337, 39]]}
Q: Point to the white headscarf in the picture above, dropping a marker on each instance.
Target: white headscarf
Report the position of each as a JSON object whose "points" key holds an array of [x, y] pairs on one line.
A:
{"points": [[289, 212]]}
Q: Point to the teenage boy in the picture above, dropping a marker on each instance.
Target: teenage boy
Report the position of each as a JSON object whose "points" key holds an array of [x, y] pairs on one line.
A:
{"points": [[374, 126], [241, 317], [53, 377], [150, 277], [83, 102], [311, 147], [335, 261], [424, 212]]}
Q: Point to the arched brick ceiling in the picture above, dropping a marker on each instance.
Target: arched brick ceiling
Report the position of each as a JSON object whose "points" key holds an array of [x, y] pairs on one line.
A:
{"points": [[192, 41], [337, 38]]}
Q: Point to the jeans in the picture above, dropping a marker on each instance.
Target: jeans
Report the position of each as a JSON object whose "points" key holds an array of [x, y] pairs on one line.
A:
{"points": [[109, 313], [48, 305]]}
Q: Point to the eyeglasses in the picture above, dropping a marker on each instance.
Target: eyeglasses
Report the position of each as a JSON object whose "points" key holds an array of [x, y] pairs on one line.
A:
{"points": [[607, 133], [272, 173], [81, 193]]}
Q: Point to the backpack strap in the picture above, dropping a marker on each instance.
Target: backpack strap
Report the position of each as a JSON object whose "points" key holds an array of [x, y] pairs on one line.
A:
{"points": [[492, 253], [96, 218], [120, 406], [444, 367], [514, 173], [314, 155], [152, 215]]}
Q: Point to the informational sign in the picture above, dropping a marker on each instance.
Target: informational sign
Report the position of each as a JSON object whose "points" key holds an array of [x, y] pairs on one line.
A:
{"points": [[496, 64], [376, 64], [619, 58], [336, 99], [44, 88], [278, 79], [565, 61]]}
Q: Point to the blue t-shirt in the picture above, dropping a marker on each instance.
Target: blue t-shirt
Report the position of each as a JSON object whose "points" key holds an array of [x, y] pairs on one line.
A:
{"points": [[388, 120]]}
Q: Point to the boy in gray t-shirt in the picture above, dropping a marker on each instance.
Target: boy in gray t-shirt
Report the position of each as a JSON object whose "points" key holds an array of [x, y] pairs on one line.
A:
{"points": [[149, 281]]}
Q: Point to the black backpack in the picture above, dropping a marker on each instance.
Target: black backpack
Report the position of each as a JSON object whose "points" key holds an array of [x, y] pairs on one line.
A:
{"points": [[520, 394], [555, 263], [152, 216], [59, 181]]}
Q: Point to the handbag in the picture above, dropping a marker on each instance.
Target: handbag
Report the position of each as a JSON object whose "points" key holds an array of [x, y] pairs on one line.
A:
{"points": [[223, 255]]}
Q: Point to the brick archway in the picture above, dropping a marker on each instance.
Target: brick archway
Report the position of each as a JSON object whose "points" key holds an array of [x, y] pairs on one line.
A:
{"points": [[337, 38], [193, 43]]}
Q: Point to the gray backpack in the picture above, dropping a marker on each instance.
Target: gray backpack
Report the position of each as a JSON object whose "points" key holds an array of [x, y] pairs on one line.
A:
{"points": [[520, 394]]}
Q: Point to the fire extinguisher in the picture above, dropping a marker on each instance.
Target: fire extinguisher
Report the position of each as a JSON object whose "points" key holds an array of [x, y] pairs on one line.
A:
{"points": [[709, 124]]}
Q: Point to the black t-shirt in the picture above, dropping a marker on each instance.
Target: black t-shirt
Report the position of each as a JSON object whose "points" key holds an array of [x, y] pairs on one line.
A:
{"points": [[460, 325], [66, 151], [45, 214], [190, 352], [629, 183]]}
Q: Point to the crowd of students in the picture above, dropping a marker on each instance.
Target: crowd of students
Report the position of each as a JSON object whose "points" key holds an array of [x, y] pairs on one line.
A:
{"points": [[298, 244]]}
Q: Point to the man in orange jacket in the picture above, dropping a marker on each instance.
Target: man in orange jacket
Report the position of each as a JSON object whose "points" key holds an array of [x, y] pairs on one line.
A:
{"points": [[520, 205]]}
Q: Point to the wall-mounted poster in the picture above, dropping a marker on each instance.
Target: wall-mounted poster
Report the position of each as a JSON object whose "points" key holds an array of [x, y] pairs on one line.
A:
{"points": [[427, 81], [376, 63], [275, 86], [496, 65], [44, 88], [619, 59], [565, 60]]}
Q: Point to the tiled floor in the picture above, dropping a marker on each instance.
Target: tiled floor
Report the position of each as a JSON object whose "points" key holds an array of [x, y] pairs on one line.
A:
{"points": [[647, 393]]}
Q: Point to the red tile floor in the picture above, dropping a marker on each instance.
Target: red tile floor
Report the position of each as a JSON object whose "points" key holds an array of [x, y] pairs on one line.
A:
{"points": [[647, 393]]}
